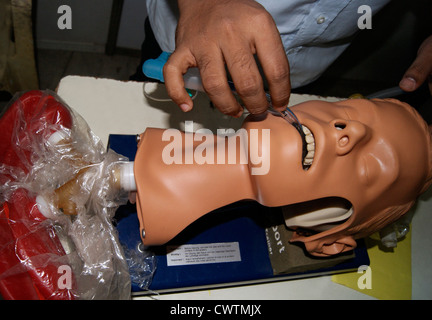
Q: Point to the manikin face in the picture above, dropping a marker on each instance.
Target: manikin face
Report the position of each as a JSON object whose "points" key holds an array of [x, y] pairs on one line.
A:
{"points": [[368, 156]]}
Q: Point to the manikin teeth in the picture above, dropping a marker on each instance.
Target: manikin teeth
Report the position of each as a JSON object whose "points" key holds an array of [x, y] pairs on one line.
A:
{"points": [[307, 161]]}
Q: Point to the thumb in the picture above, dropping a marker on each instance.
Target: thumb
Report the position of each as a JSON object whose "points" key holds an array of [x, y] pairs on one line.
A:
{"points": [[420, 69]]}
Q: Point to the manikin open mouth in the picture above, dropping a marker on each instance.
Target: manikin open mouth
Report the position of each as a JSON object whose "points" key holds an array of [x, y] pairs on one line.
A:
{"points": [[308, 140], [308, 147], [308, 150]]}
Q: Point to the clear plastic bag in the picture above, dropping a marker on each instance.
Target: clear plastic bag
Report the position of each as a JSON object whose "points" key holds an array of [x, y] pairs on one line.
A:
{"points": [[58, 196]]}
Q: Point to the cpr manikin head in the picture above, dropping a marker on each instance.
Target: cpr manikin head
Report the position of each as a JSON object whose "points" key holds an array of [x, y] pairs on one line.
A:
{"points": [[360, 166], [372, 158]]}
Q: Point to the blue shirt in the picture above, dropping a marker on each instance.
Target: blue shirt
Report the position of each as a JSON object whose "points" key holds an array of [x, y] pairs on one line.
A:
{"points": [[314, 32]]}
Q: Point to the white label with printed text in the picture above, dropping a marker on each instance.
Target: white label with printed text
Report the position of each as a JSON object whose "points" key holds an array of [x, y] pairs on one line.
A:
{"points": [[189, 254]]}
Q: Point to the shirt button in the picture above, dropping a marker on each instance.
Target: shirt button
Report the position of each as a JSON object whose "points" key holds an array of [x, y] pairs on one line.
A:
{"points": [[320, 19]]}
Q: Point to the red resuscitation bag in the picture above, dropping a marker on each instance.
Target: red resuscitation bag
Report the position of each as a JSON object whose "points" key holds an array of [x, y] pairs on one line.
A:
{"points": [[32, 256]]}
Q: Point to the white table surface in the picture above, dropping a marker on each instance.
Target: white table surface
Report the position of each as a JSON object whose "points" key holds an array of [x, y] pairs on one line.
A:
{"points": [[118, 107]]}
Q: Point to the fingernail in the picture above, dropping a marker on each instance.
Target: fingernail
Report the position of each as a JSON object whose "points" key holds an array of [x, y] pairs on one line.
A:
{"points": [[408, 84], [280, 109], [185, 107], [239, 114]]}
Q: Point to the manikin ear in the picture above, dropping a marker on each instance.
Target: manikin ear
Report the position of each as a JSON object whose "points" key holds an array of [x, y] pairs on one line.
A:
{"points": [[325, 248]]}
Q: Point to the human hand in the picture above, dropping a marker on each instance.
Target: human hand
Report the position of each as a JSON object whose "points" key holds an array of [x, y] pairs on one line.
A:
{"points": [[420, 70], [214, 33]]}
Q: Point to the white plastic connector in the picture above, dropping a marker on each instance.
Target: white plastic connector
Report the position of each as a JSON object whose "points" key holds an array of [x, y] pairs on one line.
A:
{"points": [[44, 207], [57, 136], [192, 80], [127, 176]]}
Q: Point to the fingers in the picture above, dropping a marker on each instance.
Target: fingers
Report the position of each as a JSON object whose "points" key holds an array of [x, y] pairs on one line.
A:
{"points": [[215, 83], [213, 77], [274, 62], [244, 72], [420, 69], [247, 79], [173, 71]]}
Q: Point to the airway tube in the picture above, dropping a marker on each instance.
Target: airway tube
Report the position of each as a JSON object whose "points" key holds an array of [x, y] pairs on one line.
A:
{"points": [[127, 177], [386, 93]]}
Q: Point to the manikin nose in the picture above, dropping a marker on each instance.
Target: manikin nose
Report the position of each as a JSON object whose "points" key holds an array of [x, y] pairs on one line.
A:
{"points": [[349, 133]]}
